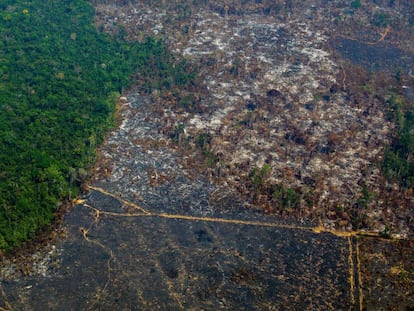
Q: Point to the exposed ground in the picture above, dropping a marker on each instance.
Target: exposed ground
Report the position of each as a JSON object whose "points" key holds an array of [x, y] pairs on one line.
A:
{"points": [[287, 114], [137, 240]]}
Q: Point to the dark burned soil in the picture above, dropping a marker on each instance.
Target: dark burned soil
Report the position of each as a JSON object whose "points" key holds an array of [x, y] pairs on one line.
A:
{"points": [[183, 244], [155, 263], [377, 57]]}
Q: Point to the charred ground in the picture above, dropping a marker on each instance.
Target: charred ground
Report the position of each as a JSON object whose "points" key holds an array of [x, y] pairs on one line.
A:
{"points": [[294, 106]]}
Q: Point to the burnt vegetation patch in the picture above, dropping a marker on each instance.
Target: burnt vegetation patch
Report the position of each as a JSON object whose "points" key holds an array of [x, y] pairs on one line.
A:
{"points": [[297, 109]]}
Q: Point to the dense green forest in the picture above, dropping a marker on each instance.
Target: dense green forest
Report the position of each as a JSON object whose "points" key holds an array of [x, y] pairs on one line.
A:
{"points": [[60, 78], [398, 160]]}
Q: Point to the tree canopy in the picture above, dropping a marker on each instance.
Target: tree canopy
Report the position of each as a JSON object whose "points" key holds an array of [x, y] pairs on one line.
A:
{"points": [[59, 79]]}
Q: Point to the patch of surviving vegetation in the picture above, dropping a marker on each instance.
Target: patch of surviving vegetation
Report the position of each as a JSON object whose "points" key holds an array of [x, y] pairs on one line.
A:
{"points": [[60, 79]]}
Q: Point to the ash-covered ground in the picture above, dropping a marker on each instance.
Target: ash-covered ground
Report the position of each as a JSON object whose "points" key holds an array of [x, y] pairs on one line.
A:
{"points": [[282, 113]]}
